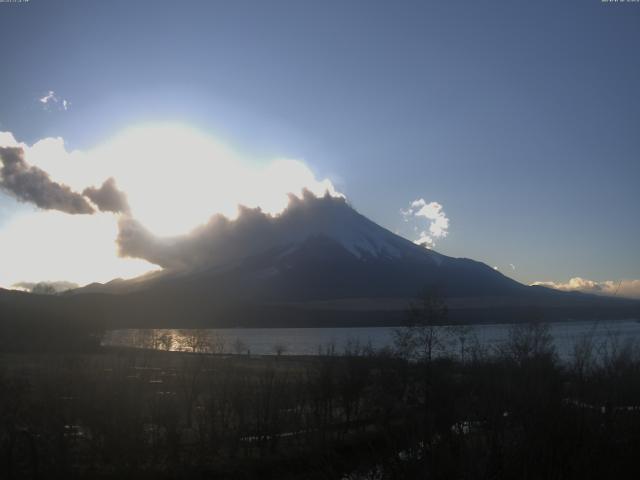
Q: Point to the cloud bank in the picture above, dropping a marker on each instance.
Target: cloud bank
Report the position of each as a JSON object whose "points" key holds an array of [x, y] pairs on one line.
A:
{"points": [[437, 222], [222, 240], [31, 184], [622, 288], [162, 182]]}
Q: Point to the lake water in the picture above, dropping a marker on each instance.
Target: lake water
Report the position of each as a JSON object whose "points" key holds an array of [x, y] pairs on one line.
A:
{"points": [[312, 341]]}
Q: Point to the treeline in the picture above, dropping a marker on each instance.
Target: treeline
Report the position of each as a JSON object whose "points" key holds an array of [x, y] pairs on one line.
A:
{"points": [[41, 332], [515, 412], [47, 323]]}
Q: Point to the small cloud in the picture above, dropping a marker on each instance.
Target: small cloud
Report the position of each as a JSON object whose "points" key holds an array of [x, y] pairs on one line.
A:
{"points": [[437, 222], [51, 100], [45, 288], [621, 288], [513, 267], [49, 97]]}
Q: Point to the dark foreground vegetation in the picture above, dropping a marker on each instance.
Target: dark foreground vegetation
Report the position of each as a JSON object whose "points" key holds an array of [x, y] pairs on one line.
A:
{"points": [[513, 413]]}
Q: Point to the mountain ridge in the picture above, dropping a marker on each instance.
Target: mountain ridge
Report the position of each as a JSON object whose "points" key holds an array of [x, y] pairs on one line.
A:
{"points": [[309, 228]]}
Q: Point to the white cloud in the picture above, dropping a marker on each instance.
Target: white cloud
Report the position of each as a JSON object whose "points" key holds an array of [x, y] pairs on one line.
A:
{"points": [[513, 267], [52, 100], [437, 222], [8, 140], [620, 288], [49, 97]]}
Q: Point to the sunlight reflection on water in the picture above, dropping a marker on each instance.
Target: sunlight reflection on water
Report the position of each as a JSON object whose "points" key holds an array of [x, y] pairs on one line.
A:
{"points": [[314, 341]]}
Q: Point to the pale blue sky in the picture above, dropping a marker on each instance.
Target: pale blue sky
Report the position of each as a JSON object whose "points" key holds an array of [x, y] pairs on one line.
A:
{"points": [[521, 118]]}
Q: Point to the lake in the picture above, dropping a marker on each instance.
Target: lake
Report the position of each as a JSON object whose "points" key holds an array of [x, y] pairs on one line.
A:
{"points": [[313, 341]]}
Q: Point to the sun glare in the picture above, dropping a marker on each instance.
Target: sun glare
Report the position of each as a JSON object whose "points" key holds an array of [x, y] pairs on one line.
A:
{"points": [[177, 177], [49, 246]]}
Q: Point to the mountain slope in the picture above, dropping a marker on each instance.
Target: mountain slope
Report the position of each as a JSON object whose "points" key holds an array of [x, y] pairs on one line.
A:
{"points": [[318, 263], [318, 248]]}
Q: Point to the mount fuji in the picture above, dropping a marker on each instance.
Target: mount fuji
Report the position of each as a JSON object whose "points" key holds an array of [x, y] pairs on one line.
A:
{"points": [[318, 263]]}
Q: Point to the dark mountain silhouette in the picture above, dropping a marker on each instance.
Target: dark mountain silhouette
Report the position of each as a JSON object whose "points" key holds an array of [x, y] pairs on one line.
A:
{"points": [[318, 263]]}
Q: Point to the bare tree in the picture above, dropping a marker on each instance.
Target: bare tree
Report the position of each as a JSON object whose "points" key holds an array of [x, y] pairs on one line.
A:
{"points": [[279, 349], [460, 334], [583, 355], [196, 340], [239, 346], [147, 338], [166, 341], [189, 381], [528, 341], [218, 343], [420, 338]]}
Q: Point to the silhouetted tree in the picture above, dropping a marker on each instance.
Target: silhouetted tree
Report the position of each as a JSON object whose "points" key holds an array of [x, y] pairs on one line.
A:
{"points": [[239, 346], [421, 337]]}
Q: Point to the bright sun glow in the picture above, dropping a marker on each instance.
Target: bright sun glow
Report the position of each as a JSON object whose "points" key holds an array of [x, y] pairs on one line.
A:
{"points": [[175, 178], [51, 246], [194, 176]]}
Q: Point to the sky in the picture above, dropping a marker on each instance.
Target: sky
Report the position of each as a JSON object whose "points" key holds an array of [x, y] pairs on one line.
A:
{"points": [[506, 132]]}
